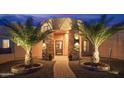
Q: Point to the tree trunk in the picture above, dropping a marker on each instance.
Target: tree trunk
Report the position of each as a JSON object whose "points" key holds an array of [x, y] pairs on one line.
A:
{"points": [[28, 57], [96, 58]]}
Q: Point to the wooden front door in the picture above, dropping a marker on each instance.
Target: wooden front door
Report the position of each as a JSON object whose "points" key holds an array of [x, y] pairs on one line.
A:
{"points": [[59, 47]]}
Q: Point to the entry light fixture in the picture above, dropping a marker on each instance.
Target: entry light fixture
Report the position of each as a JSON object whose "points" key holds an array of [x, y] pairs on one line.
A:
{"points": [[76, 46], [44, 45], [76, 36]]}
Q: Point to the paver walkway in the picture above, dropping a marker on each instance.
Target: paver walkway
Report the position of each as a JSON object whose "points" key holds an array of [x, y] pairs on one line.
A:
{"points": [[61, 68]]}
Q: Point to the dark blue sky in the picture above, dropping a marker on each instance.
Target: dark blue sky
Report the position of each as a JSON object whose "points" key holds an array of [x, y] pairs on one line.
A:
{"points": [[41, 17]]}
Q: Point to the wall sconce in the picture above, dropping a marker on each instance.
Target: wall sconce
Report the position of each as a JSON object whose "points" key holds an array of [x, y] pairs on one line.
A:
{"points": [[76, 46], [76, 37], [44, 45]]}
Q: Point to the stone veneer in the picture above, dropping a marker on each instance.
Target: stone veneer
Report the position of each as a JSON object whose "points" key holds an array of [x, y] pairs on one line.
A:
{"points": [[71, 42], [49, 51], [50, 44]]}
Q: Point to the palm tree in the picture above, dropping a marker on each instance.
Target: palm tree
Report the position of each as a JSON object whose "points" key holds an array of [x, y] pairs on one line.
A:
{"points": [[98, 32], [26, 35]]}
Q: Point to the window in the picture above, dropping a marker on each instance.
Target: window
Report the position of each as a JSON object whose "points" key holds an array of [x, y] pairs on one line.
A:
{"points": [[6, 43], [76, 41], [85, 46], [6, 47]]}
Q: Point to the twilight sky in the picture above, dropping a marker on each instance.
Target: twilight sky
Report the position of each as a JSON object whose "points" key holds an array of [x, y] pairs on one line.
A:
{"points": [[41, 17]]}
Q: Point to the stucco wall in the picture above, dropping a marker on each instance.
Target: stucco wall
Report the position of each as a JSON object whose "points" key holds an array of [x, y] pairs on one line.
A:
{"points": [[66, 40], [37, 51], [116, 42], [19, 53], [6, 57]]}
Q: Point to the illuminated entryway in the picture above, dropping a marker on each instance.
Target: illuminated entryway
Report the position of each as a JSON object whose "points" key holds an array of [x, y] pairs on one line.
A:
{"points": [[61, 39], [65, 40], [58, 42]]}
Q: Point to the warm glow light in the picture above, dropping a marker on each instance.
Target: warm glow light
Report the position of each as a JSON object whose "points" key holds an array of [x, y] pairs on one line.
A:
{"points": [[44, 46], [76, 36], [76, 44], [6, 43], [85, 46]]}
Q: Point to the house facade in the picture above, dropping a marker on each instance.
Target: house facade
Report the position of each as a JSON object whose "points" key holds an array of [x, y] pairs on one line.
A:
{"points": [[64, 41]]}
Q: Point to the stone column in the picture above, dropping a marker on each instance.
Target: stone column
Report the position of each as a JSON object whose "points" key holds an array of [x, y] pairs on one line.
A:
{"points": [[71, 42], [50, 45]]}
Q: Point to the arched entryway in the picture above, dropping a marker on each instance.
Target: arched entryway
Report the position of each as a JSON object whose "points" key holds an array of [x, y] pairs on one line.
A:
{"points": [[65, 40]]}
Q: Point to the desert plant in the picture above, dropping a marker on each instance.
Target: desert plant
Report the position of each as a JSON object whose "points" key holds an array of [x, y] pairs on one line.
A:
{"points": [[26, 35], [98, 31]]}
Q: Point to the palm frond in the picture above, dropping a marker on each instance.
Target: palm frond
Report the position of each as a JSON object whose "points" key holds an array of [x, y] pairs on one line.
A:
{"points": [[27, 34], [98, 32]]}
